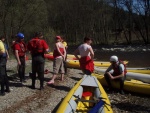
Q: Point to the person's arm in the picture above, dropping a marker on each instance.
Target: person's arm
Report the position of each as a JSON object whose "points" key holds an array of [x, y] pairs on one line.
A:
{"points": [[17, 57], [119, 76], [91, 53], [46, 47], [76, 53], [7, 54], [108, 69], [25, 47], [121, 68], [64, 54], [47, 51]]}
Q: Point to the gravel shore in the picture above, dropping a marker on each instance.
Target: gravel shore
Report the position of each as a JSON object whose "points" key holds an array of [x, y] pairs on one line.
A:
{"points": [[22, 99]]}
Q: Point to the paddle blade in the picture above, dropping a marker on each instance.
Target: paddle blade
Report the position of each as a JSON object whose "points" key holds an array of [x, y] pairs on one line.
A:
{"points": [[97, 107]]}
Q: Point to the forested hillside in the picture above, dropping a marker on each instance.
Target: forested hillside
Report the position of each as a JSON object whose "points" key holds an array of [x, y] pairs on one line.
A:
{"points": [[106, 21]]}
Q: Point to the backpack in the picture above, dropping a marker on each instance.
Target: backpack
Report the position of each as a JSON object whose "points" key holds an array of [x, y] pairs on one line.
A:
{"points": [[125, 66], [36, 46]]}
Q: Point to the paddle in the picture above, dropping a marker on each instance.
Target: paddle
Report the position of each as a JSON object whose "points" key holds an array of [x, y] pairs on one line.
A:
{"points": [[97, 107]]}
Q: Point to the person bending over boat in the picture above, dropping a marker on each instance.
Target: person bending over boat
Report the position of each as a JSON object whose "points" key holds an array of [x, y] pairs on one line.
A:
{"points": [[119, 72], [86, 52], [59, 57]]}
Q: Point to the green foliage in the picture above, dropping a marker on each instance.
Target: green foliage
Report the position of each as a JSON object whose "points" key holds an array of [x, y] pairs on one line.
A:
{"points": [[106, 21], [25, 16]]}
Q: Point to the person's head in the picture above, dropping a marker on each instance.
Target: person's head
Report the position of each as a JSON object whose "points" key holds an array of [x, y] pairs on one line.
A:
{"points": [[58, 39], [113, 59], [2, 38], [87, 40], [39, 34], [20, 36]]}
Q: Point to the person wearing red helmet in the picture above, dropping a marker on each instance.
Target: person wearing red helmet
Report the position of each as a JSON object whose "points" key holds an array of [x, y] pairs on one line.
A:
{"points": [[37, 47], [20, 53], [119, 72], [59, 57]]}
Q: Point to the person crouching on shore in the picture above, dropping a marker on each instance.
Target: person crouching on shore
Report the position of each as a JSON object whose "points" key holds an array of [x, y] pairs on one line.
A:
{"points": [[119, 72]]}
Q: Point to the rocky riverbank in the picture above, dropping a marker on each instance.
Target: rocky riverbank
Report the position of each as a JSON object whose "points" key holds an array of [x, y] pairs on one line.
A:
{"points": [[22, 99]]}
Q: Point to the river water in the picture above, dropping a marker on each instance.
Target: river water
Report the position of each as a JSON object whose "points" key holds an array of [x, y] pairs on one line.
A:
{"points": [[136, 58]]}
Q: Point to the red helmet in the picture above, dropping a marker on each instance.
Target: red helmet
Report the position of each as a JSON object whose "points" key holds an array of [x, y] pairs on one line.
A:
{"points": [[58, 37]]}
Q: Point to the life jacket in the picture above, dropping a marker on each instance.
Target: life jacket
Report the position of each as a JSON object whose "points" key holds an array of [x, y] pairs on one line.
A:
{"points": [[116, 68], [56, 53], [86, 63], [22, 50], [36, 46]]}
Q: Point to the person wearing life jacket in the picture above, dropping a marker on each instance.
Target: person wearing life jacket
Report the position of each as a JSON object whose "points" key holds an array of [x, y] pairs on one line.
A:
{"points": [[37, 47], [59, 57], [87, 54], [6, 54], [3, 60], [20, 54], [119, 72]]}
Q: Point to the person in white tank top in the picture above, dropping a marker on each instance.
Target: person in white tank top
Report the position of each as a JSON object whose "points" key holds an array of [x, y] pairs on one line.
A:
{"points": [[86, 52], [85, 49]]}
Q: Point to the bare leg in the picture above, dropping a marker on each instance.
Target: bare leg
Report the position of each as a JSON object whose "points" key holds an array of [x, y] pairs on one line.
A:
{"points": [[52, 80], [62, 77]]}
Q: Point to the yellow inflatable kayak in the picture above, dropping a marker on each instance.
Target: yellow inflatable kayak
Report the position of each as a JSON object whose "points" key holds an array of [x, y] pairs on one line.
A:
{"points": [[75, 63], [129, 75], [50, 56], [86, 96], [140, 71], [129, 85], [134, 70]]}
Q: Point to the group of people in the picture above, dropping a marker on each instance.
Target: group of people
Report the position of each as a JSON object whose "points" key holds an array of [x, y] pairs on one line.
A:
{"points": [[37, 47]]}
